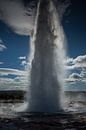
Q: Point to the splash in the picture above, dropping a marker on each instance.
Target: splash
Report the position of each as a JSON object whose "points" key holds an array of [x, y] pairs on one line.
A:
{"points": [[46, 76]]}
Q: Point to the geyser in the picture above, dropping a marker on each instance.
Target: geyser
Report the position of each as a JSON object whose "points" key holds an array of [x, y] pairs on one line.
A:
{"points": [[46, 76]]}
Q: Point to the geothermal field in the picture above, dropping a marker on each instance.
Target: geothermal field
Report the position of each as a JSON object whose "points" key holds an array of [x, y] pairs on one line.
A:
{"points": [[44, 104]]}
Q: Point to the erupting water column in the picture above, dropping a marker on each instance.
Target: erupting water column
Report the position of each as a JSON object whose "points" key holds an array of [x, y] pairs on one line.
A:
{"points": [[47, 61]]}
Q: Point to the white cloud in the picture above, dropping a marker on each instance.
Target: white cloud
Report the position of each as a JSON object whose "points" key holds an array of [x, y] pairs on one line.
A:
{"points": [[2, 46], [76, 63], [80, 62], [20, 80], [8, 71], [80, 59], [9, 83], [74, 77], [69, 61], [22, 58], [77, 67], [17, 16], [23, 63]]}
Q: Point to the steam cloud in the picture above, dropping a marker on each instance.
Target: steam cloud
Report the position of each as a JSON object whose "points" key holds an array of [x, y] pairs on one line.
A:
{"points": [[20, 14], [17, 16]]}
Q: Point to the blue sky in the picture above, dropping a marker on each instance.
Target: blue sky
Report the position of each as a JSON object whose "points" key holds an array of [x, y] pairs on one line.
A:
{"points": [[16, 45], [14, 50], [74, 24], [75, 28]]}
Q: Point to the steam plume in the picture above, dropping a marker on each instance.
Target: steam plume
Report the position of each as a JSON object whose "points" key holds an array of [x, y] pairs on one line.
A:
{"points": [[47, 64]]}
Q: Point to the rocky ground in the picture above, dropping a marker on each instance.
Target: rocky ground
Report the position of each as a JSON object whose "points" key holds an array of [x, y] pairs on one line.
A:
{"points": [[43, 121]]}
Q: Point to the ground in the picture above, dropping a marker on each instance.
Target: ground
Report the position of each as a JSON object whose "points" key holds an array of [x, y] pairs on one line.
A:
{"points": [[44, 121]]}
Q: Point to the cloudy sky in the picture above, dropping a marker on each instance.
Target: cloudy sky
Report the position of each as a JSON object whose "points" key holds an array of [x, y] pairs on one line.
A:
{"points": [[14, 50]]}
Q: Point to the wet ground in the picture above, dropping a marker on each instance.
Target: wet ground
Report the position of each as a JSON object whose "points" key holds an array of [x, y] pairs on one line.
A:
{"points": [[73, 119], [44, 121]]}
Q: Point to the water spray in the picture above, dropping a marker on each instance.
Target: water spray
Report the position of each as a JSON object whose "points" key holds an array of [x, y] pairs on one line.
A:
{"points": [[46, 77]]}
